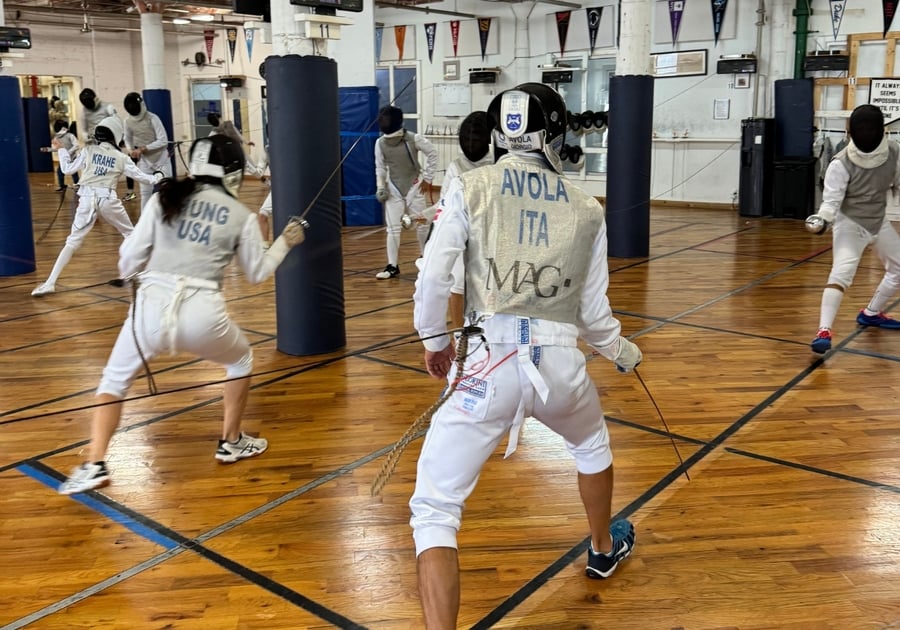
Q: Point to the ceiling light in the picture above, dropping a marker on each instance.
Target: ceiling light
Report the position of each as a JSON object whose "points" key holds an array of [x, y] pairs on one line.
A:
{"points": [[203, 17], [180, 21]]}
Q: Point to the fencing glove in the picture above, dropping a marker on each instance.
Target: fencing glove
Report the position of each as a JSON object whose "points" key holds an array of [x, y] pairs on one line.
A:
{"points": [[381, 195], [623, 353]]}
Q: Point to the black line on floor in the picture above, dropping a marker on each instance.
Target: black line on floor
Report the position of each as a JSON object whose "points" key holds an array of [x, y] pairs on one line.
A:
{"points": [[228, 564]]}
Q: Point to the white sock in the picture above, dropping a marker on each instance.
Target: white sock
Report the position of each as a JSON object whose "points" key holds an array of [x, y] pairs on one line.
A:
{"points": [[61, 261], [831, 302], [883, 293]]}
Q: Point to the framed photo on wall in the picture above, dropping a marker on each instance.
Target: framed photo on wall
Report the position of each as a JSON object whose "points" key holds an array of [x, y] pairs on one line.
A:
{"points": [[683, 63], [451, 70]]}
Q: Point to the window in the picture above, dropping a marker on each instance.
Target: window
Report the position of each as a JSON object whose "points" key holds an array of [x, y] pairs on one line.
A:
{"points": [[206, 98], [398, 85]]}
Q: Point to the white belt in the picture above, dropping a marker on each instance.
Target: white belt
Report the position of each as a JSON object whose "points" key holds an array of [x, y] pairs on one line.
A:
{"points": [[169, 322], [529, 358]]}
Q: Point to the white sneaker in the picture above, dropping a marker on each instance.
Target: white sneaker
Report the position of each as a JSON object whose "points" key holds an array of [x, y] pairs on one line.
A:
{"points": [[86, 477], [44, 289], [246, 446]]}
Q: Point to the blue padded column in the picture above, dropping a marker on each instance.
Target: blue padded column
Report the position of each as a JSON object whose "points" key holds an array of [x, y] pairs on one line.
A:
{"points": [[628, 170], [16, 236], [160, 103], [37, 130], [305, 150]]}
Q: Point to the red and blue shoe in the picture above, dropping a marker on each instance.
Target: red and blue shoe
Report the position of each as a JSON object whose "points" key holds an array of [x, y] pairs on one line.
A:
{"points": [[822, 343], [879, 320]]}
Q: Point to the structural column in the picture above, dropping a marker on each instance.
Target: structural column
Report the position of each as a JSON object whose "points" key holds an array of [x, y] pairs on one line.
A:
{"points": [[630, 136], [305, 156], [153, 52]]}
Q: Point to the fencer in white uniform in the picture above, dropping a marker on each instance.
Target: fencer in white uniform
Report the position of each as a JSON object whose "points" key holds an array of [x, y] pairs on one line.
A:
{"points": [[93, 111], [400, 179], [187, 235], [101, 165], [146, 141], [536, 279]]}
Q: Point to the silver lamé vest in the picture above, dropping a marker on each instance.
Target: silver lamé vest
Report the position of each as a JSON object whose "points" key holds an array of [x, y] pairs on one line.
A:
{"points": [[400, 156], [530, 238], [142, 134], [865, 200]]}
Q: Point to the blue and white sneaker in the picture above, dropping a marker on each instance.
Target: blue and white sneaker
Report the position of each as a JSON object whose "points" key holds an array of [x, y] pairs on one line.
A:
{"points": [[602, 565], [822, 343], [879, 320]]}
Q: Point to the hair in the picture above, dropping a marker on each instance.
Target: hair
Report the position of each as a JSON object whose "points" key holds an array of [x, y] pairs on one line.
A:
{"points": [[174, 192]]}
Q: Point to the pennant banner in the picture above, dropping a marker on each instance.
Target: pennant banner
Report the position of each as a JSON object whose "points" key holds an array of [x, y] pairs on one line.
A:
{"points": [[248, 37], [888, 7], [718, 11], [837, 12], [562, 29], [676, 8], [454, 35], [400, 39], [379, 35], [430, 31], [593, 22], [231, 33], [484, 30], [209, 37]]}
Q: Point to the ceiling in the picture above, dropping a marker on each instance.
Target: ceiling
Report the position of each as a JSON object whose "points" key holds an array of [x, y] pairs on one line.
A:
{"points": [[120, 15]]}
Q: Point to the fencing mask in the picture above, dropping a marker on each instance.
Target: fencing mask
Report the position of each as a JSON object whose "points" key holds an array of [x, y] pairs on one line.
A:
{"points": [[475, 135]]}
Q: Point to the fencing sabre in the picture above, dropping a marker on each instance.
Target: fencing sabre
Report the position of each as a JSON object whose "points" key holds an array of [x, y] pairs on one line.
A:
{"points": [[663, 419]]}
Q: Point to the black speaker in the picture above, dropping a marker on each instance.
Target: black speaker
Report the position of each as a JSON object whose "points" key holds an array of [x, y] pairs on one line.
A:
{"points": [[253, 7], [757, 160], [794, 115]]}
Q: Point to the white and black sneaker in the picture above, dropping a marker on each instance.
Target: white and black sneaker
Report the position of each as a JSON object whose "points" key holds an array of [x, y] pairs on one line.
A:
{"points": [[246, 446], [391, 271], [86, 477]]}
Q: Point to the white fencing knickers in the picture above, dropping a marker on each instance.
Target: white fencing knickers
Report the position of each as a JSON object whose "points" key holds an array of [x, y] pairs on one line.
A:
{"points": [[466, 430], [174, 314], [395, 207], [850, 240]]}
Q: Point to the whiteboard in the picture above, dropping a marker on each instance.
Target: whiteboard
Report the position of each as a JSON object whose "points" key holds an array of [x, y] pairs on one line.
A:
{"points": [[452, 99]]}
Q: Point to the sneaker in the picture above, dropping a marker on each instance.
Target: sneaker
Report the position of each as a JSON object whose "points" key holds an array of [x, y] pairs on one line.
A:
{"points": [[129, 196], [44, 289], [880, 320], [246, 446], [602, 565], [822, 343], [391, 271], [86, 477]]}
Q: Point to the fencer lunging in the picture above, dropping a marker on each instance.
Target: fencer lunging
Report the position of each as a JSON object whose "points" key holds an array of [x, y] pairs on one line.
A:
{"points": [[187, 235], [402, 183], [101, 165], [855, 201], [519, 209], [147, 141]]}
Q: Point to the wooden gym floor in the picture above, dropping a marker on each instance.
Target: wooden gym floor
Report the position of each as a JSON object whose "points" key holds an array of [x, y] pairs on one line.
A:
{"points": [[789, 519]]}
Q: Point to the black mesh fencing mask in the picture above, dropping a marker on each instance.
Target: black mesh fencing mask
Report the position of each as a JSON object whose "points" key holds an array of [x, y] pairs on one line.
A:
{"points": [[475, 135], [867, 127], [390, 119]]}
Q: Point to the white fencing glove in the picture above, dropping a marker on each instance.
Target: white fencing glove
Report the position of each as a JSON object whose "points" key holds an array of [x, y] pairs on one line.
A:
{"points": [[293, 233], [623, 353], [819, 222], [381, 195]]}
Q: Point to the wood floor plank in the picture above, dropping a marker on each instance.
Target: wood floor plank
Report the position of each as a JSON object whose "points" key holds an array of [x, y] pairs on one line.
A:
{"points": [[788, 520]]}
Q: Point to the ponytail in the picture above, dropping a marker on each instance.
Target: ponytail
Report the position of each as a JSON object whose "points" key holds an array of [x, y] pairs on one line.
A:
{"points": [[174, 192]]}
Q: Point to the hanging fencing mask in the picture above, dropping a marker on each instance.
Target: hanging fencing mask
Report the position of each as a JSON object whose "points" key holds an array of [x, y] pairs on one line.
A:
{"points": [[475, 135], [220, 157], [867, 127], [390, 119], [134, 105], [89, 99]]}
